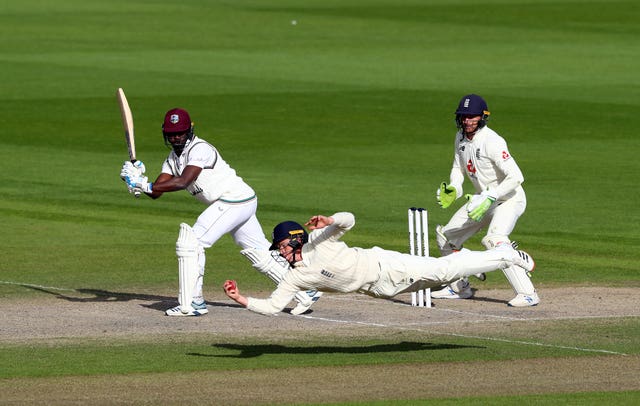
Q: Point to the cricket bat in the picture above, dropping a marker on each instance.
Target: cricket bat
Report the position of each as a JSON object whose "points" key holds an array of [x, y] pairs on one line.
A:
{"points": [[127, 124]]}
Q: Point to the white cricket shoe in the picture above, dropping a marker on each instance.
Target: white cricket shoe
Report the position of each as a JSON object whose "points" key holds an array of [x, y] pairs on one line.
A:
{"points": [[459, 289], [302, 307], [522, 300], [197, 309]]}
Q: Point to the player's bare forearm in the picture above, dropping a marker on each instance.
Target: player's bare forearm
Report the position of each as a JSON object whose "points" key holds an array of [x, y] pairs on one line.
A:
{"points": [[168, 183], [231, 290]]}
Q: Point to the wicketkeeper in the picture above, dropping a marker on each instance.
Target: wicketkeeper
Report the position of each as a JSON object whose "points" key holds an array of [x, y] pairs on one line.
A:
{"points": [[321, 261], [499, 201], [197, 166]]}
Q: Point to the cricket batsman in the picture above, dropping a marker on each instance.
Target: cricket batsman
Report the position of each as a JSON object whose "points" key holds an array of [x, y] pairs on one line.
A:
{"points": [[196, 166]]}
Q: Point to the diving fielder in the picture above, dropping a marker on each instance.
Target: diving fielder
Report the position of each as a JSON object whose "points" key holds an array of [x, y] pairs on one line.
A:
{"points": [[322, 261], [197, 166], [482, 155]]}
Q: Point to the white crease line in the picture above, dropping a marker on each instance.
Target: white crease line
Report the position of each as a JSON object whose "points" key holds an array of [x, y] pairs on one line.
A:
{"points": [[36, 286], [534, 343], [466, 336], [482, 314], [364, 323]]}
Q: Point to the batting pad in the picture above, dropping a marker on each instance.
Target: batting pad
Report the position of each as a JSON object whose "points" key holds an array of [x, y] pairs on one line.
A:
{"points": [[188, 269]]}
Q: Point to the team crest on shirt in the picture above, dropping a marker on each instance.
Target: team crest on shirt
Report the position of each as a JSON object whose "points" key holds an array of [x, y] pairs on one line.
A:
{"points": [[174, 118]]}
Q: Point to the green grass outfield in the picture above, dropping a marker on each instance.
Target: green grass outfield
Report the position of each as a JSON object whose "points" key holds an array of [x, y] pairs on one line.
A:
{"points": [[350, 108]]}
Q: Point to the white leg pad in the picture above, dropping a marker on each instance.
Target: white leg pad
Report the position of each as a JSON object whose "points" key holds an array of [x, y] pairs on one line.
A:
{"points": [[517, 276], [198, 296], [276, 267], [187, 249], [519, 280], [493, 241]]}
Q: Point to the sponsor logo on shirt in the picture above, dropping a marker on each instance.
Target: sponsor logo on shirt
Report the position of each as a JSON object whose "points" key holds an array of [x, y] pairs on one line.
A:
{"points": [[326, 273], [196, 190], [505, 155]]}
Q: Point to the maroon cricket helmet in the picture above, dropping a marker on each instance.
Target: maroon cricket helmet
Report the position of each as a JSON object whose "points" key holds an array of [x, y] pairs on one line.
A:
{"points": [[176, 121]]}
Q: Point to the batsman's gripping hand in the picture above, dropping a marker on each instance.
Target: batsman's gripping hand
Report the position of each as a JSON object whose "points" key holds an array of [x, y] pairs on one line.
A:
{"points": [[446, 195], [479, 205], [138, 182], [132, 170]]}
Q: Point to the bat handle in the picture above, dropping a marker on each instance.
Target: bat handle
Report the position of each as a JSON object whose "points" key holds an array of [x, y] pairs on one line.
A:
{"points": [[136, 193]]}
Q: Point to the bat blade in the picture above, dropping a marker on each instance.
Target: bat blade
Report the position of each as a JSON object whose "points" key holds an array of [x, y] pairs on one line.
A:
{"points": [[127, 124]]}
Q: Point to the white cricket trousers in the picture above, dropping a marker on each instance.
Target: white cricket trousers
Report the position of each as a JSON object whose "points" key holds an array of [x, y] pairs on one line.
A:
{"points": [[237, 219], [500, 221], [408, 273]]}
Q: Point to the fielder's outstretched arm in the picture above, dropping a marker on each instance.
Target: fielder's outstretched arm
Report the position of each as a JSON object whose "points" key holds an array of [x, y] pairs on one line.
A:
{"points": [[276, 303], [231, 290]]}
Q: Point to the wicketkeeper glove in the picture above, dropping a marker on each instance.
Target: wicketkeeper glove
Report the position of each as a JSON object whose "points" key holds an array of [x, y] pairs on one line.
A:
{"points": [[138, 182], [446, 195], [479, 205]]}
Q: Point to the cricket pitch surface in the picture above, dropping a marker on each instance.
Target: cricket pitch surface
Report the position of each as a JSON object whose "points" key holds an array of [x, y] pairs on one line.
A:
{"points": [[76, 315]]}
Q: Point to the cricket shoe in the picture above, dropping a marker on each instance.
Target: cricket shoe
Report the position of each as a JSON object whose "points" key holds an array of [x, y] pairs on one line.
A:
{"points": [[197, 309], [459, 289], [522, 300], [302, 307], [524, 260]]}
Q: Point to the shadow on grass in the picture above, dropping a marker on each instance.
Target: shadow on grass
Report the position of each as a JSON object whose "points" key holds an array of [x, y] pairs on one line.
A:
{"points": [[256, 350], [161, 303]]}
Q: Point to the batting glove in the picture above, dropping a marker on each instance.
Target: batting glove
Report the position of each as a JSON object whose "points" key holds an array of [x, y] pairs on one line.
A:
{"points": [[446, 195], [479, 205], [139, 182], [132, 170], [134, 190]]}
